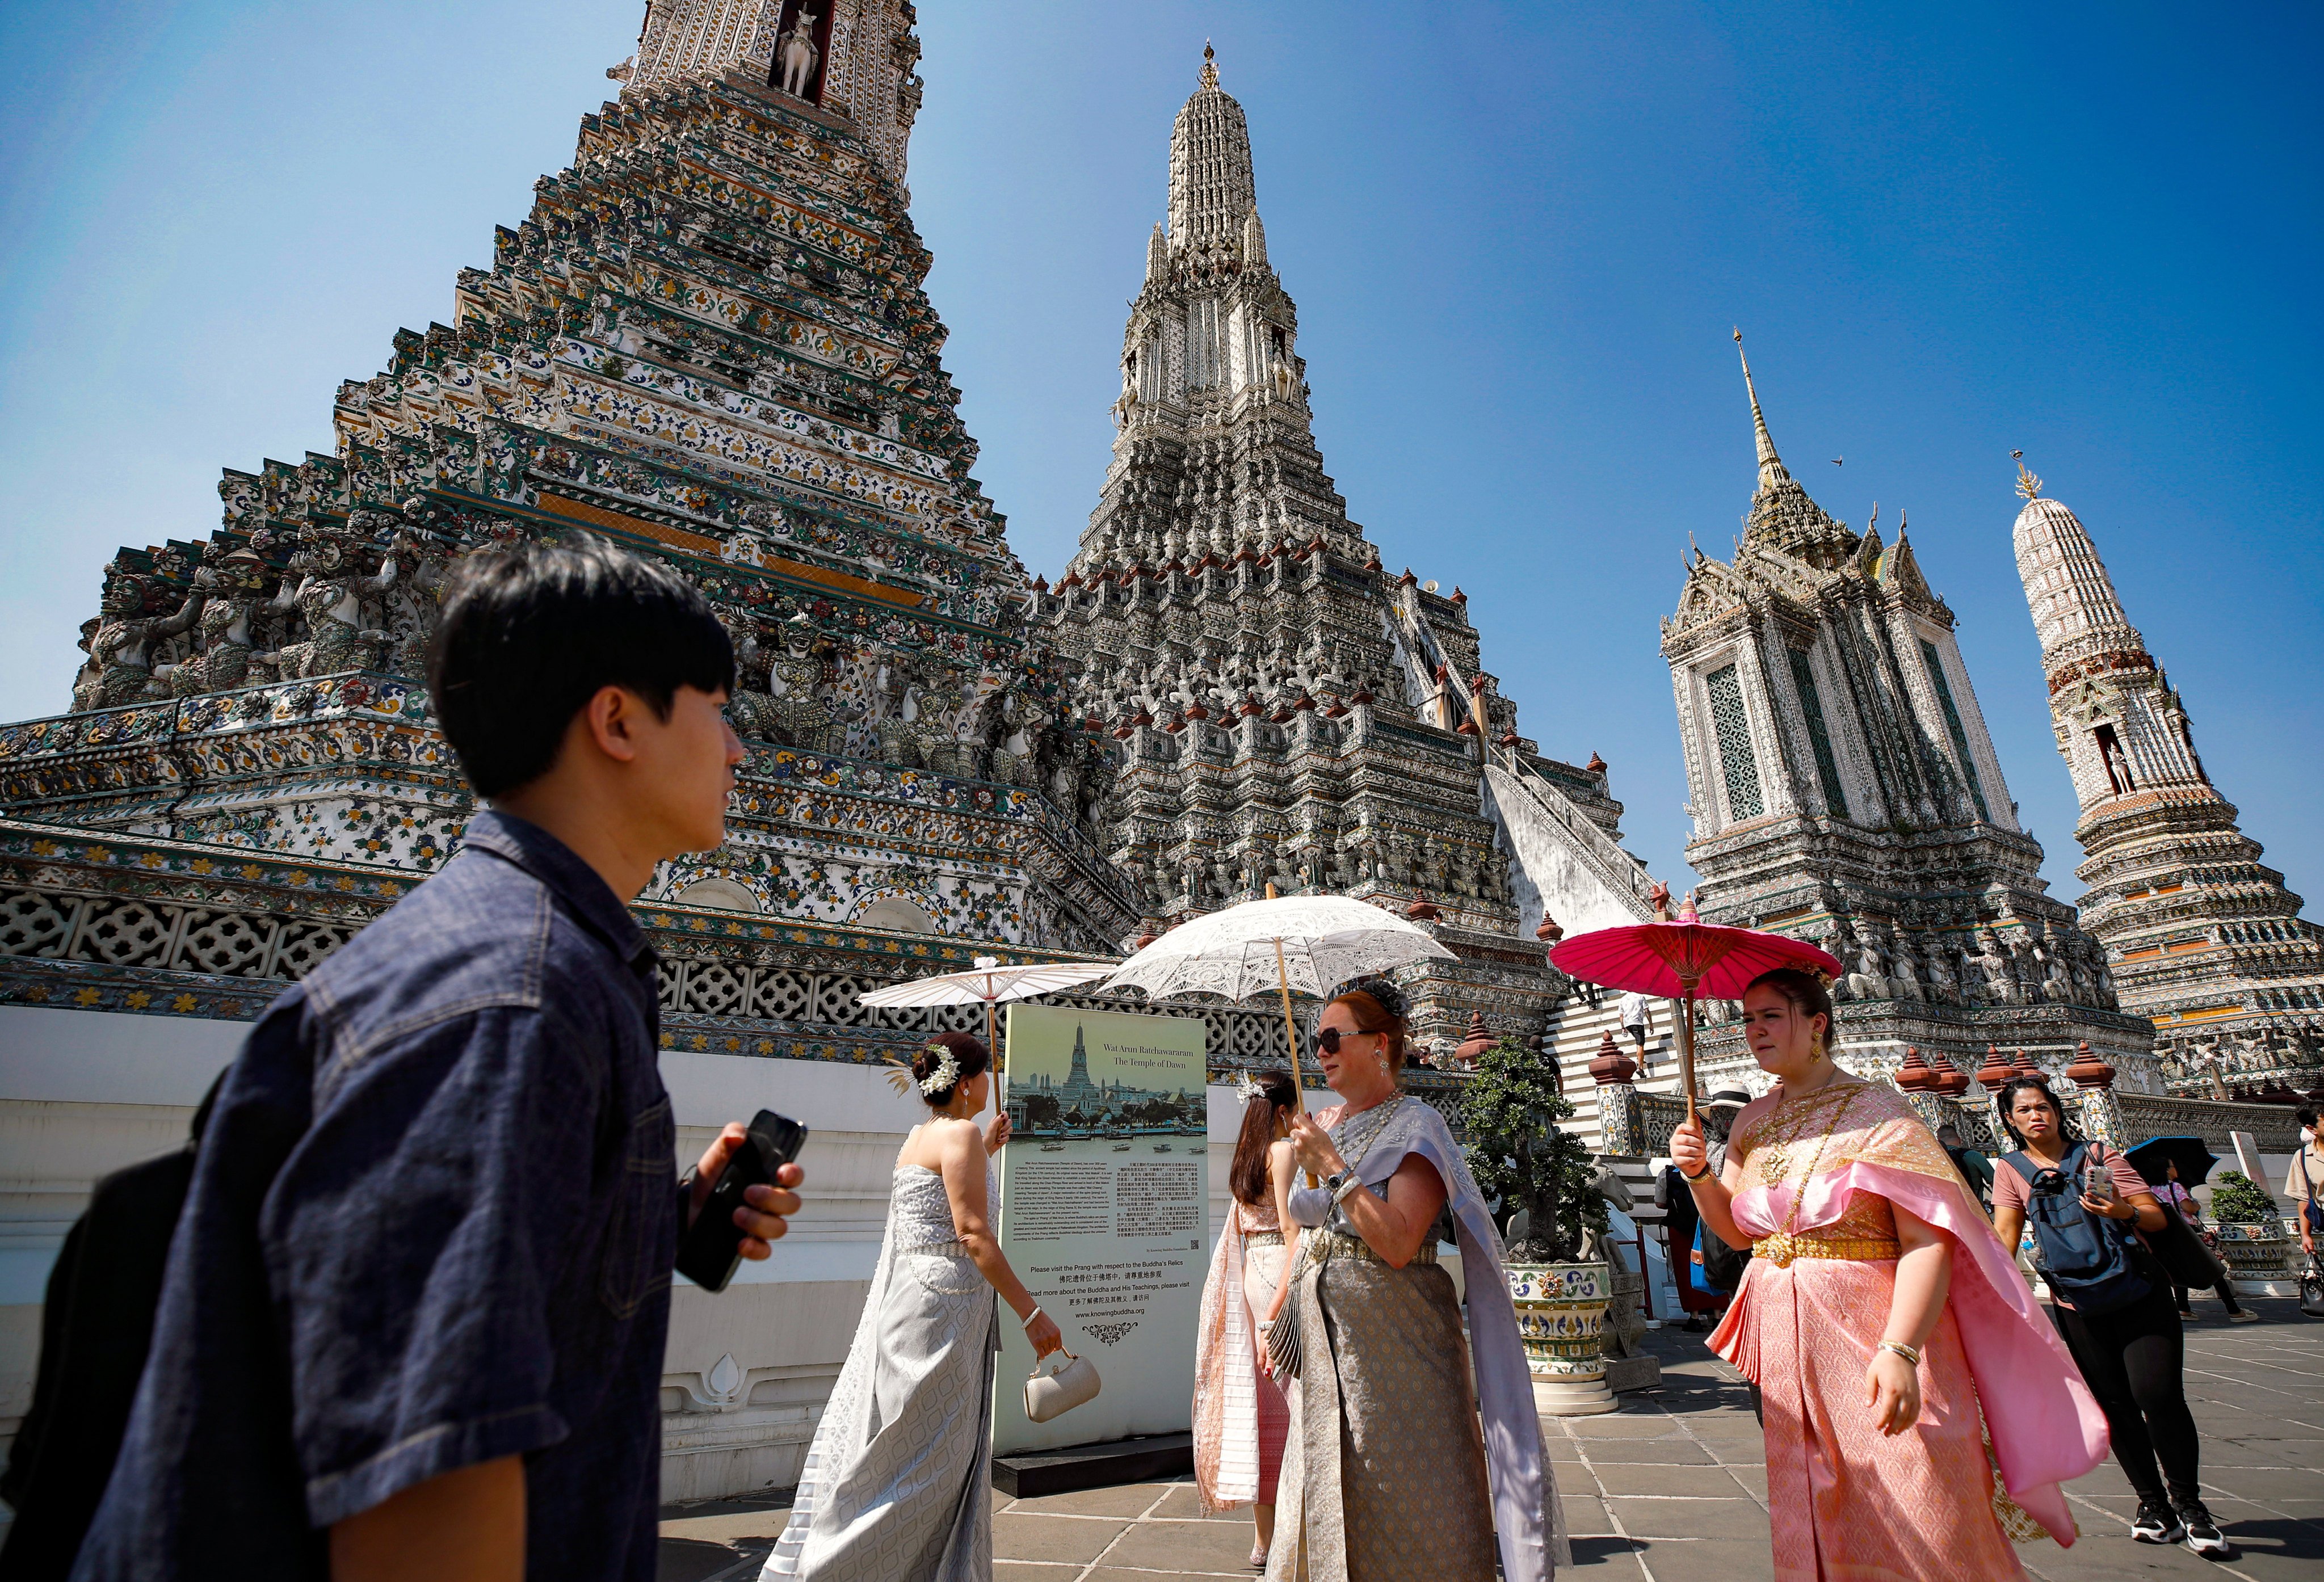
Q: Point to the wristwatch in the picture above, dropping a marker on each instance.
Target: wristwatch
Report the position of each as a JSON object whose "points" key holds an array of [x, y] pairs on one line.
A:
{"points": [[1333, 1182]]}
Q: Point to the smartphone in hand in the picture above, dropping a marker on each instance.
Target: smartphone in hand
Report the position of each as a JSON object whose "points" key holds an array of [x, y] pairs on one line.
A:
{"points": [[712, 1247]]}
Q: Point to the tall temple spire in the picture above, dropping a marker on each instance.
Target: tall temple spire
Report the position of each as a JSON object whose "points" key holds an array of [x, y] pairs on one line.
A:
{"points": [[1782, 516], [1770, 466], [2206, 942], [1211, 185]]}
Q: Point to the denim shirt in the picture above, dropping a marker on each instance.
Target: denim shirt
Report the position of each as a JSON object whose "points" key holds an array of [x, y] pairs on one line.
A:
{"points": [[431, 1225]]}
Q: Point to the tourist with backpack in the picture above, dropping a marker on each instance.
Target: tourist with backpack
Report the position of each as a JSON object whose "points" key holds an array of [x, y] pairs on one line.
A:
{"points": [[414, 1315], [2086, 1206]]}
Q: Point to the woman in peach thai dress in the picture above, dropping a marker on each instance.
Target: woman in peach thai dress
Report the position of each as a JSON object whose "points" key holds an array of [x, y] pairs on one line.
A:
{"points": [[1899, 1355], [1240, 1416]]}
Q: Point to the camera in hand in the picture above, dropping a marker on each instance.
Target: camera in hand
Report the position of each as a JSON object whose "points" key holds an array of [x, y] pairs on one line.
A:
{"points": [[711, 1249]]}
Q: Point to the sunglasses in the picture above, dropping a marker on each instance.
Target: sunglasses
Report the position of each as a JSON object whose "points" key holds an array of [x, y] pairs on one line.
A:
{"points": [[1328, 1040]]}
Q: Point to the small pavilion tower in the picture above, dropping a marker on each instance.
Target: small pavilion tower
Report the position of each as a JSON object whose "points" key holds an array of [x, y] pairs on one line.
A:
{"points": [[1845, 790], [2201, 938]]}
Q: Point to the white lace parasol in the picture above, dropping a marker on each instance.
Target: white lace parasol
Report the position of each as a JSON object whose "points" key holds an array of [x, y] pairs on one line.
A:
{"points": [[1326, 940]]}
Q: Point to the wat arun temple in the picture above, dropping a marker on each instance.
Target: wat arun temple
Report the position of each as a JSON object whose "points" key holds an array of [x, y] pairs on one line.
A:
{"points": [[709, 342]]}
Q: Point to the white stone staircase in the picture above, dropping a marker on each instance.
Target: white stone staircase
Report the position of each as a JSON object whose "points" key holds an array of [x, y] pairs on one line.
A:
{"points": [[1575, 1029]]}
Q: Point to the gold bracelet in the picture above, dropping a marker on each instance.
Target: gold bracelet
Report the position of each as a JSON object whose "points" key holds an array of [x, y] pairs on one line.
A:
{"points": [[1697, 1179], [1911, 1354]]}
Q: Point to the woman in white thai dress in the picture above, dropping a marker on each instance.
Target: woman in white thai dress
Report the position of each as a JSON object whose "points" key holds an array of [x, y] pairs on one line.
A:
{"points": [[1240, 1415], [1387, 1474], [895, 1485]]}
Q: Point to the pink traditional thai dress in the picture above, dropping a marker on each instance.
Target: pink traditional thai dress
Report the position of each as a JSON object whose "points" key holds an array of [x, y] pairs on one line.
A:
{"points": [[1998, 1387], [1240, 1415]]}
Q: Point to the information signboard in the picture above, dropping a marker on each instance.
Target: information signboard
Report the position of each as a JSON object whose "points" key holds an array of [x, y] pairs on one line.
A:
{"points": [[1104, 1204]]}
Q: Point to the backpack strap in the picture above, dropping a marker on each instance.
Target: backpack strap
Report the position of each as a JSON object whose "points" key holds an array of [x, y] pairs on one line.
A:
{"points": [[2023, 1163]]}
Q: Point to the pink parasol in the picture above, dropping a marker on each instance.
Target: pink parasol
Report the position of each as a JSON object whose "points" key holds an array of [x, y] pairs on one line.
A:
{"points": [[1680, 959]]}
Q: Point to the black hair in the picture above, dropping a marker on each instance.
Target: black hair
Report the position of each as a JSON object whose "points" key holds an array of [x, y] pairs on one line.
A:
{"points": [[2006, 1099], [2307, 1115], [967, 1051], [1247, 1176], [529, 635], [1807, 994]]}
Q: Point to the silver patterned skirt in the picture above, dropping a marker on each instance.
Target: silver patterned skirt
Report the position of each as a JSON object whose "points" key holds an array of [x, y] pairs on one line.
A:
{"points": [[1384, 1473], [895, 1485]]}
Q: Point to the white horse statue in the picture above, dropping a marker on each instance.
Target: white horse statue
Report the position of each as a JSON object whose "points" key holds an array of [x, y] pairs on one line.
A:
{"points": [[796, 54]]}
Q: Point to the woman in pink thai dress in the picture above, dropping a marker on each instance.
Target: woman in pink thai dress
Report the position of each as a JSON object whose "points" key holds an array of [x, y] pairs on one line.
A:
{"points": [[1240, 1415], [1899, 1355]]}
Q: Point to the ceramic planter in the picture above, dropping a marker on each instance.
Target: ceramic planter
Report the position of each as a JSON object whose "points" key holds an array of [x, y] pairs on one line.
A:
{"points": [[2259, 1258], [1562, 1318]]}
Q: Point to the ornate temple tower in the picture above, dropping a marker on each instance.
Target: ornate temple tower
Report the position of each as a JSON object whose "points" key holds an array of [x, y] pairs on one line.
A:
{"points": [[2203, 939], [1281, 709], [1844, 789], [708, 341]]}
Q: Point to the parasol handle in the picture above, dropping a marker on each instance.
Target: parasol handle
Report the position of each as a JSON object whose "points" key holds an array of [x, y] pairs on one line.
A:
{"points": [[1686, 1044], [999, 1077], [1291, 1034]]}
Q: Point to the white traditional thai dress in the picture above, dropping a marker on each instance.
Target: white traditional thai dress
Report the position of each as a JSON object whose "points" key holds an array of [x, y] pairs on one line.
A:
{"points": [[896, 1483]]}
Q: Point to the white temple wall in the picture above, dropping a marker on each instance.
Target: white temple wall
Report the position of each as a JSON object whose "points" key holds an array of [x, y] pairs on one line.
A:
{"points": [[84, 1093]]}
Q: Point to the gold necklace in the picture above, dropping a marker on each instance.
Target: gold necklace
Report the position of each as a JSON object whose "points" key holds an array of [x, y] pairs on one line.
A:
{"points": [[1774, 1159]]}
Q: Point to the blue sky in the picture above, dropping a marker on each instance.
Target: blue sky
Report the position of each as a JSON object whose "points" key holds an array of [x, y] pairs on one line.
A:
{"points": [[1517, 235]]}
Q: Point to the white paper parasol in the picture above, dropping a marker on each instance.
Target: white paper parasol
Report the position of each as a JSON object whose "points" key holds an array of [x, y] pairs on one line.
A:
{"points": [[1313, 943]]}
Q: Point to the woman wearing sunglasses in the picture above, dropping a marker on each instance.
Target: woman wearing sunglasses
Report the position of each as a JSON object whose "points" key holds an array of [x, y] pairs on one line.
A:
{"points": [[1386, 1472]]}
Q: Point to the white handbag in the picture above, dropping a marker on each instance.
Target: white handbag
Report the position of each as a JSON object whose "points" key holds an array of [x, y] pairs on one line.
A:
{"points": [[1052, 1394]]}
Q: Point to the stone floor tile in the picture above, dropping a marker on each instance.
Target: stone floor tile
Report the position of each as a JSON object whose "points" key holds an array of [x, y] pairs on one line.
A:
{"points": [[1188, 1546], [1182, 1503], [1020, 1536], [1584, 1512], [1691, 1518], [1602, 1559], [1028, 1571], [1707, 1559], [2262, 1483], [1670, 1452], [1126, 1499], [1626, 1426], [1705, 1482]]}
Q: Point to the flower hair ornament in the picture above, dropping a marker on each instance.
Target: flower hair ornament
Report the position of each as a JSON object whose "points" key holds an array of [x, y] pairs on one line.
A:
{"points": [[945, 1073], [1247, 1087]]}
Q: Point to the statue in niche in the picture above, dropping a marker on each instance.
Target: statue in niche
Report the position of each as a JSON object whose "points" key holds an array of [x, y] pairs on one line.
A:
{"points": [[796, 56], [329, 595], [1993, 966], [2025, 963], [120, 649], [1904, 977], [1943, 990], [227, 645], [797, 682]]}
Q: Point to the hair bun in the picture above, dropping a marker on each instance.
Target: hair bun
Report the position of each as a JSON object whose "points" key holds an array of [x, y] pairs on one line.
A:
{"points": [[1391, 998]]}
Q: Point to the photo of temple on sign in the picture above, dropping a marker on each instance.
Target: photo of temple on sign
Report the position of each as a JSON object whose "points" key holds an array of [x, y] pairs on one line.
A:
{"points": [[1121, 1080]]}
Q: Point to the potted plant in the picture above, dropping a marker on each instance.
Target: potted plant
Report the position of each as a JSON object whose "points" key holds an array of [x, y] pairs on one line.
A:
{"points": [[1551, 1214], [2252, 1239]]}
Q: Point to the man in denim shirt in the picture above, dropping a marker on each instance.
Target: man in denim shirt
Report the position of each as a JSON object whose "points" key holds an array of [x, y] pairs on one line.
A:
{"points": [[414, 1315]]}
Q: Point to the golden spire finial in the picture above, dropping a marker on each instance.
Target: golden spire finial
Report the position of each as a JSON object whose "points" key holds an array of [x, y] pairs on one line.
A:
{"points": [[1210, 65], [2028, 487]]}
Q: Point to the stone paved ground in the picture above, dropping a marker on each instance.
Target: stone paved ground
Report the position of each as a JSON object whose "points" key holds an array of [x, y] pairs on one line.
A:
{"points": [[1672, 1487]]}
